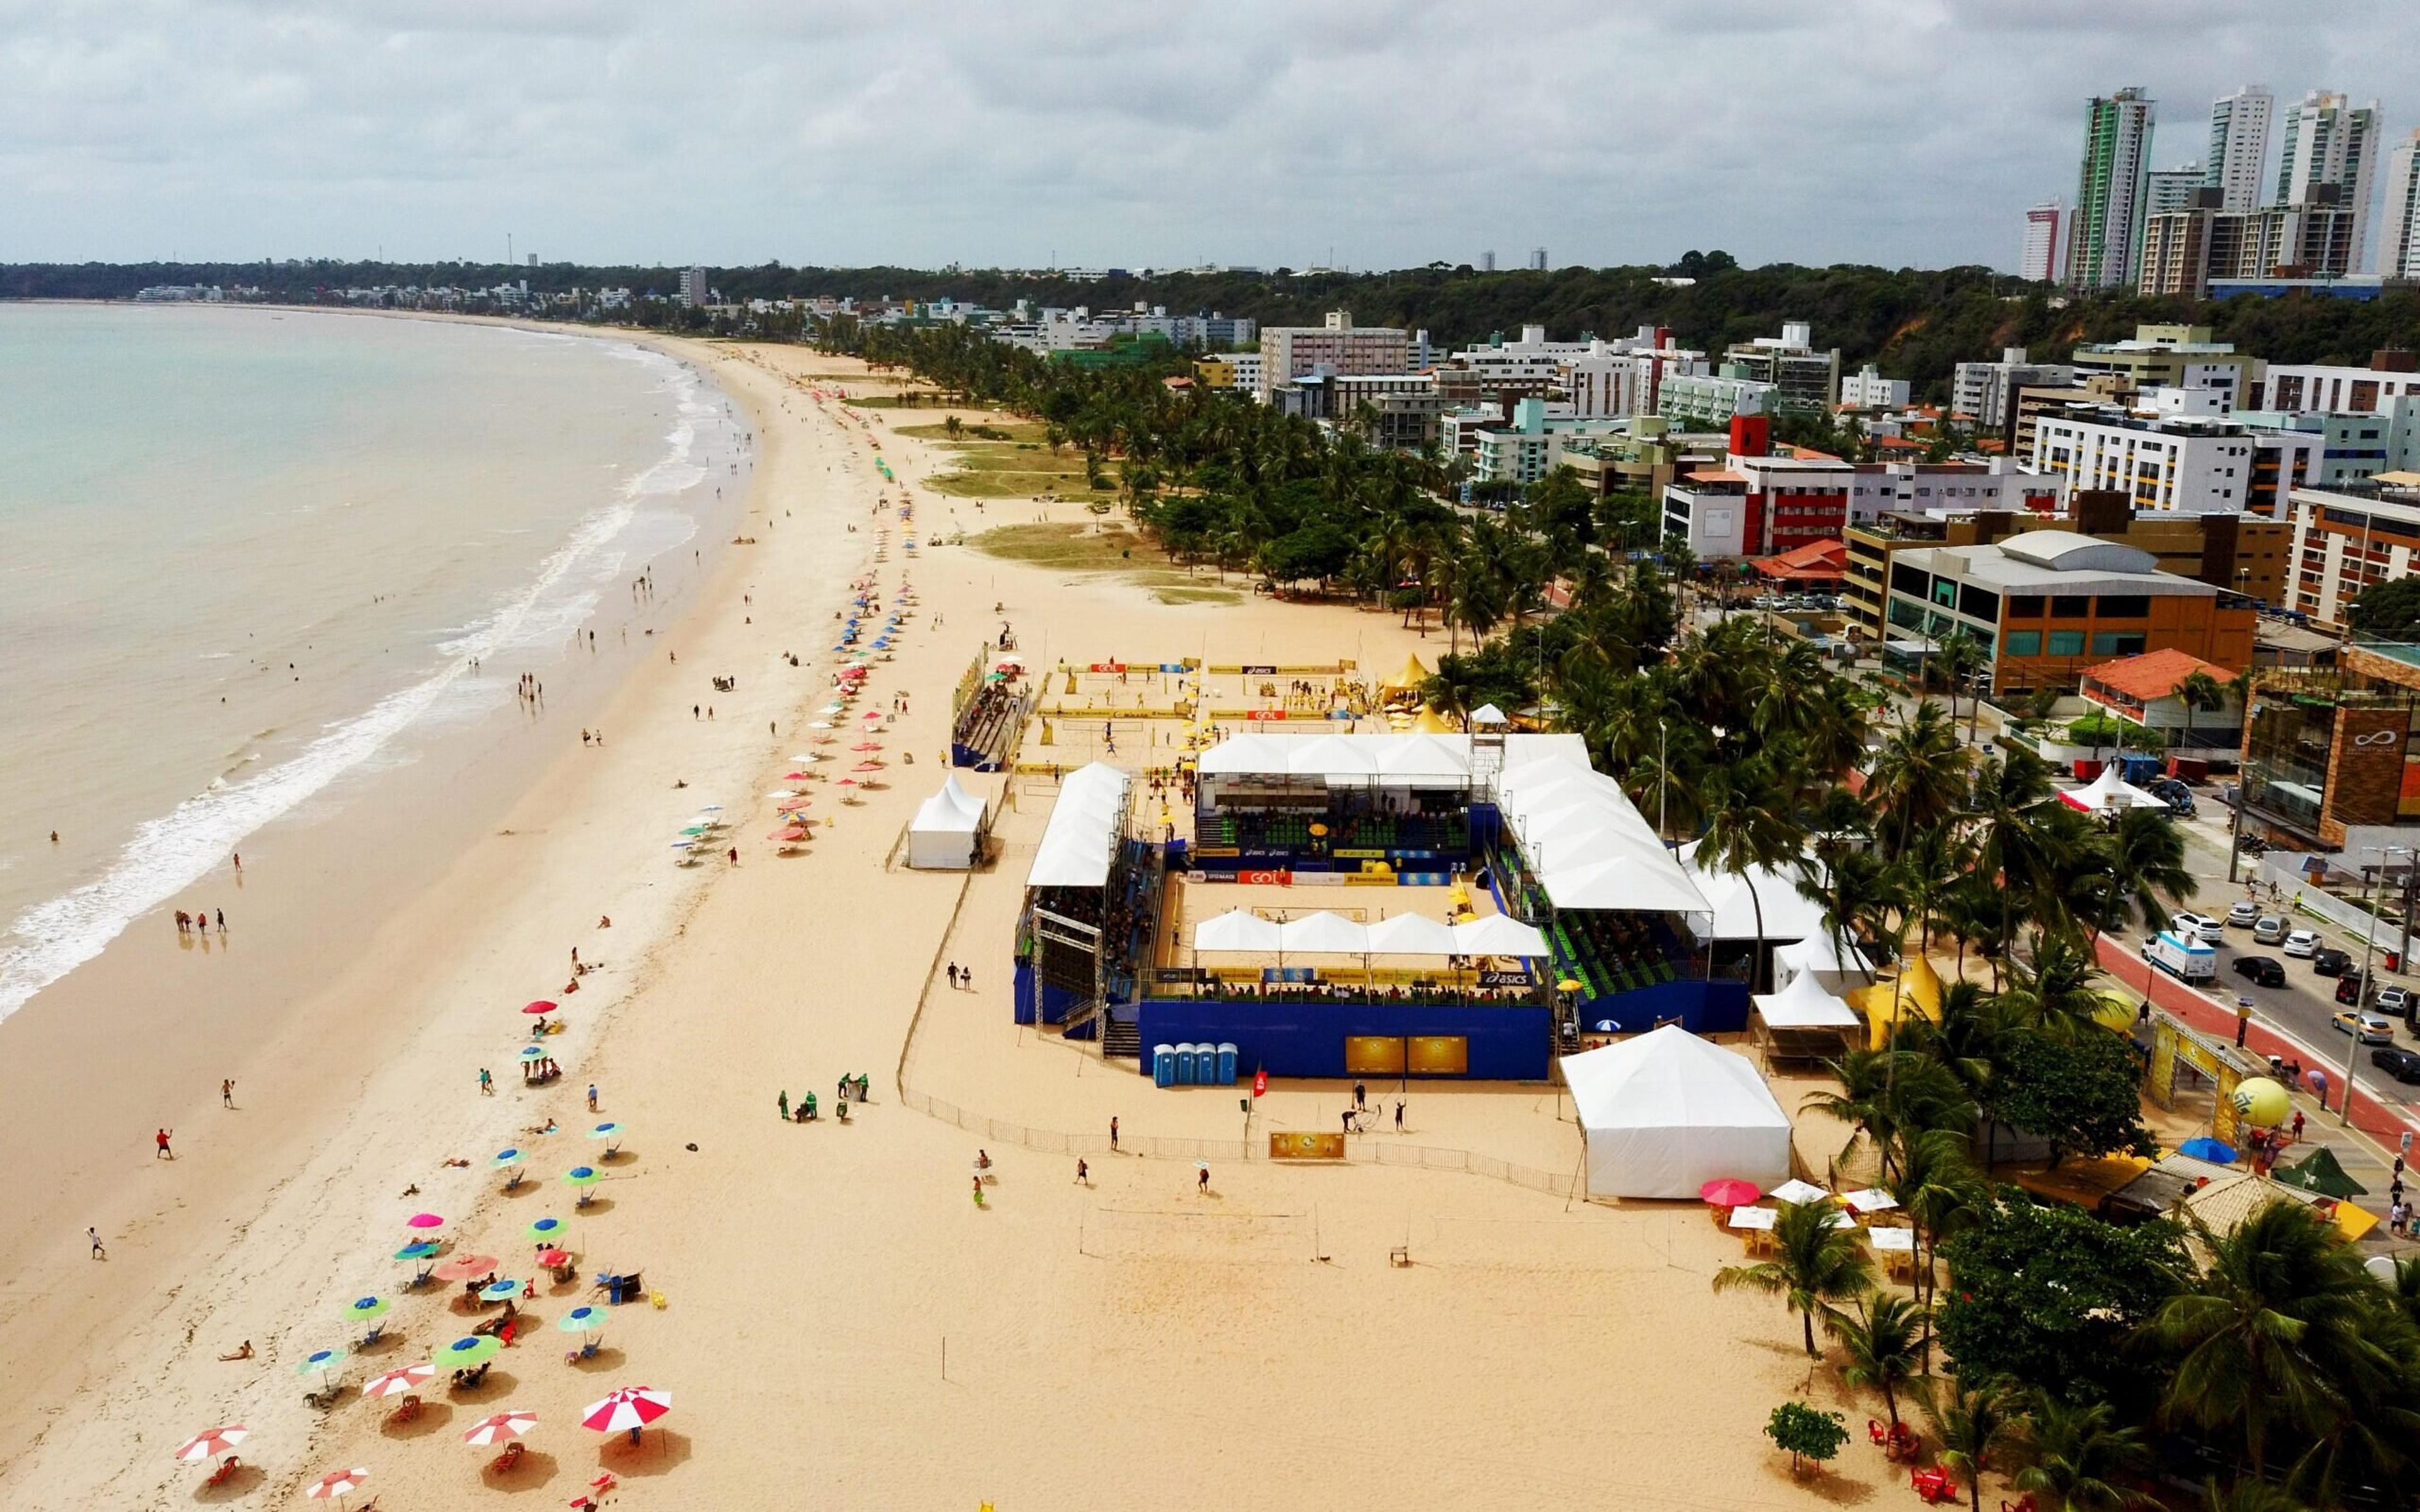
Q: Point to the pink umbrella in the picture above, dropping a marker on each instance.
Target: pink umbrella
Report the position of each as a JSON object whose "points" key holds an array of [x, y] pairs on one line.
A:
{"points": [[490, 1431], [396, 1381], [845, 782], [789, 836], [867, 745], [540, 1008], [465, 1268], [874, 715], [342, 1483], [552, 1258], [1730, 1193], [212, 1442], [632, 1408], [424, 1220], [867, 767], [795, 776]]}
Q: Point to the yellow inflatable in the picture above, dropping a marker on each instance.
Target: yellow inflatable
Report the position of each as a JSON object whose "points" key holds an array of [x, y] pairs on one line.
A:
{"points": [[2262, 1102]]}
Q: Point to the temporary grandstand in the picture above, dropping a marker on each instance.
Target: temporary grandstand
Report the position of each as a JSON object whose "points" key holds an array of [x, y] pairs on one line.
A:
{"points": [[987, 712], [1089, 901]]}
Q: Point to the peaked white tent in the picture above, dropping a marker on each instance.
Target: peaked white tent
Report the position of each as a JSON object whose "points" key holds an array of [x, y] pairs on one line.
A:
{"points": [[2109, 791], [1082, 838], [947, 832], [1806, 1003], [1789, 914], [1664, 1114], [1499, 935], [1235, 932], [1835, 967], [1413, 934], [1323, 934]]}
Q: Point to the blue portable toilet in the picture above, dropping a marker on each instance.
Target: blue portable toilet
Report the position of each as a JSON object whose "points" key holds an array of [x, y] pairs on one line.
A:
{"points": [[1185, 1064], [1205, 1064], [1227, 1064], [1163, 1065]]}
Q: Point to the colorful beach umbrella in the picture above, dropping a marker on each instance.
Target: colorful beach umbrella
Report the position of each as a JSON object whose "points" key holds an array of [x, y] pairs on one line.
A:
{"points": [[583, 1176], [583, 1320], [867, 767], [320, 1361], [397, 1383], [2212, 1150], [363, 1309], [212, 1442], [424, 1220], [541, 1006], [503, 1291], [791, 836], [547, 1230], [867, 745], [463, 1354], [489, 1432], [342, 1483], [533, 1052], [1729, 1193], [419, 1249], [465, 1267], [633, 1407], [552, 1258], [507, 1157], [607, 1131]]}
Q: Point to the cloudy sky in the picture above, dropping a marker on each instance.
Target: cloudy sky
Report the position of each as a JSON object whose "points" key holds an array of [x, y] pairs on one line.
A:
{"points": [[1133, 132]]}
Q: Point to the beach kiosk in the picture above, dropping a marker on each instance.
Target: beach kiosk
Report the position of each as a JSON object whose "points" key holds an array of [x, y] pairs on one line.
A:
{"points": [[1664, 1113]]}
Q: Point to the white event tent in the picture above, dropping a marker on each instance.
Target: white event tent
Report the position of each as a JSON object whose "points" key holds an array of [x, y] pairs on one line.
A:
{"points": [[1081, 841], [2109, 791], [1737, 896], [1806, 1003], [1835, 967], [1238, 933], [1664, 1114], [1586, 844], [946, 835]]}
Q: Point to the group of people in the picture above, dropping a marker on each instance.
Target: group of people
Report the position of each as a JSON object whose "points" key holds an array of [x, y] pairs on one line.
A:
{"points": [[199, 919]]}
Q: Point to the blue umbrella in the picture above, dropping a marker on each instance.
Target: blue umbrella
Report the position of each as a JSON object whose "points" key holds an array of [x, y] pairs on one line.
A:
{"points": [[2209, 1149], [501, 1291]]}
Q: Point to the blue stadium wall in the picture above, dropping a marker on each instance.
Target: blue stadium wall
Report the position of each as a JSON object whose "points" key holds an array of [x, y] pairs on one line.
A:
{"points": [[1506, 1044]]}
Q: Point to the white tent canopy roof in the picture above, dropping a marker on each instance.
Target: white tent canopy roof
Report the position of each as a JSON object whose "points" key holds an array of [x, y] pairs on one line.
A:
{"points": [[1082, 838], [1236, 932], [2111, 790], [1499, 935], [1323, 934], [1789, 914], [1387, 759], [1805, 1004], [1667, 1112], [1586, 843], [1413, 934]]}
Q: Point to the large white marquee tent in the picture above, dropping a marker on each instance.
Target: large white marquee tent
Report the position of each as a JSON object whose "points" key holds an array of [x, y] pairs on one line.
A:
{"points": [[1664, 1114]]}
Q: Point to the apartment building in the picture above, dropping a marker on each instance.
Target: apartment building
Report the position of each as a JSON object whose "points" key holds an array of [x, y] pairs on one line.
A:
{"points": [[1805, 382], [1985, 393], [1711, 401], [2101, 235], [1533, 444], [2329, 154], [1288, 352], [2239, 146], [1867, 389], [1229, 370], [2347, 539], [2339, 390], [2170, 454], [2037, 252], [2175, 357], [2399, 249]]}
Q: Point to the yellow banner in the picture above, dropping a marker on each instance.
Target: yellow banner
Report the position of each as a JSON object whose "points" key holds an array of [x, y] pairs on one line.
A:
{"points": [[1302, 1145]]}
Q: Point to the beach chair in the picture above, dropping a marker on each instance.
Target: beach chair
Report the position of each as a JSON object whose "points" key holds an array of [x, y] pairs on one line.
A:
{"points": [[587, 1350], [409, 1412], [505, 1463], [224, 1473], [1932, 1486]]}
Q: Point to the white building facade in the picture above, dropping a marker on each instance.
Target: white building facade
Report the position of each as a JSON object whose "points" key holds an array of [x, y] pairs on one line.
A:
{"points": [[2239, 146]]}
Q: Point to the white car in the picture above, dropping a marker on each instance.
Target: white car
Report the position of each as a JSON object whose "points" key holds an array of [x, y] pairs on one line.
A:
{"points": [[2368, 1028], [2301, 942], [2269, 929], [2243, 914], [2198, 927]]}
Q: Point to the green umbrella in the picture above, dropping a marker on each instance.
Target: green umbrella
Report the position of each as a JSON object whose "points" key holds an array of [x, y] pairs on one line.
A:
{"points": [[2320, 1172], [531, 1052], [321, 1361], [606, 1130], [465, 1353], [419, 1250], [507, 1157], [583, 1176], [362, 1309], [546, 1230], [583, 1320]]}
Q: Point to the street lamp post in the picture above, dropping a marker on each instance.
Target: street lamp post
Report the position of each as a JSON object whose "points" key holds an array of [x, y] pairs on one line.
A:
{"points": [[2360, 997]]}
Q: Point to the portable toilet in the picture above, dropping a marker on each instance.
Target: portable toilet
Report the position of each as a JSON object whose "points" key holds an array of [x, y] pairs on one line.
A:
{"points": [[1227, 1061], [1163, 1065], [1205, 1064], [1185, 1064]]}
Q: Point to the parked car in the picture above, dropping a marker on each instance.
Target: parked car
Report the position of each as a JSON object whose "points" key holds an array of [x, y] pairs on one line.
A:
{"points": [[2243, 914], [2266, 971], [2196, 926], [2269, 929], [2303, 942], [2403, 1065], [2178, 796], [2354, 988], [2371, 1027], [2330, 961], [2395, 1000]]}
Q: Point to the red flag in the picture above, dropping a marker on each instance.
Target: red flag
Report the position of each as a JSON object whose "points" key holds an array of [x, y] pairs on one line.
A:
{"points": [[1261, 1083]]}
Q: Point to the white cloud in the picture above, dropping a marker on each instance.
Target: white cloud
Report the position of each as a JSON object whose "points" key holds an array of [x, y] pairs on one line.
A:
{"points": [[1109, 131]]}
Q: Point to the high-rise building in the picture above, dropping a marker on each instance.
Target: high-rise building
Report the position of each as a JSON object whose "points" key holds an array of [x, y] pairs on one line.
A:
{"points": [[2329, 148], [2038, 257], [2171, 189], [1288, 352], [2102, 236], [1487, 262], [2398, 254], [693, 291], [2239, 146], [1537, 259]]}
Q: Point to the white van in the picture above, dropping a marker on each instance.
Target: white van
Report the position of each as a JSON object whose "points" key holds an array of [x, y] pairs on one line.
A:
{"points": [[2186, 959]]}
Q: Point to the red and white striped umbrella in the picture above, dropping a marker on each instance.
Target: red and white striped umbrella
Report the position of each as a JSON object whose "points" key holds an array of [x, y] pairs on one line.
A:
{"points": [[396, 1382], [342, 1483], [868, 766], [489, 1432], [212, 1442], [633, 1407]]}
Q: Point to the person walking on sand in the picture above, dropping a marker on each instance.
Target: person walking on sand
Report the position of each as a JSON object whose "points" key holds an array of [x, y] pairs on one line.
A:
{"points": [[783, 1102], [1113, 1134], [592, 1097], [222, 913], [734, 856], [979, 1202], [161, 1138], [1202, 1178], [1084, 1173], [99, 1252], [227, 1092], [1399, 1114], [486, 1083]]}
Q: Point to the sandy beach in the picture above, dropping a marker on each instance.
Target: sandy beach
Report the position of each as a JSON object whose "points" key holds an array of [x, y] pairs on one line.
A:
{"points": [[838, 1319]]}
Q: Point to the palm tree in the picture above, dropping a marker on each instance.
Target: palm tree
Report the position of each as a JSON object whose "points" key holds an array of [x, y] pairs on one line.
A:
{"points": [[1856, 891], [1938, 1188], [1887, 1095], [2074, 1453], [1749, 827], [1958, 656], [2056, 994], [1882, 1348], [1814, 1265], [1919, 776], [1973, 1426], [2199, 690], [2246, 1495], [2146, 875], [2284, 1331]]}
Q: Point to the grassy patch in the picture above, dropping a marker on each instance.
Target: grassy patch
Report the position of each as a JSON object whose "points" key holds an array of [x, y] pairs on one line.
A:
{"points": [[1015, 433], [1111, 548]]}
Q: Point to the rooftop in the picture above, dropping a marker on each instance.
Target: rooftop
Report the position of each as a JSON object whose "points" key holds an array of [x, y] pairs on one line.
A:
{"points": [[2058, 561], [2154, 674]]}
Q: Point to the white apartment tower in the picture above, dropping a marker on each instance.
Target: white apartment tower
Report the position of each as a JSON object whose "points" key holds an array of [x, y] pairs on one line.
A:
{"points": [[2038, 257], [692, 289], [2171, 189], [2330, 142], [2239, 146], [2399, 254]]}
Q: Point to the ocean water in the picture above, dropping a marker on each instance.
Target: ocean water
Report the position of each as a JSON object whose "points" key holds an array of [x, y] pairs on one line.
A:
{"points": [[247, 560]]}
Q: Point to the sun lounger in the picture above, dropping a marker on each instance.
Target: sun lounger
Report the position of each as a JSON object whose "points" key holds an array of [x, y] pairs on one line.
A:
{"points": [[224, 1473], [407, 1412], [503, 1463]]}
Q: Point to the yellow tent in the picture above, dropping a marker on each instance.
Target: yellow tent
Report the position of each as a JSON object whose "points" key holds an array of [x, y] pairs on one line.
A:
{"points": [[1431, 723], [1408, 679], [1914, 991]]}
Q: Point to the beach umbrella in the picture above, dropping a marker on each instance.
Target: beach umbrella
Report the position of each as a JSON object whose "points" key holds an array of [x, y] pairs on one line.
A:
{"points": [[539, 1008], [783, 792], [546, 1230], [819, 724], [504, 1291], [2212, 1150], [709, 808], [533, 1052], [696, 832], [212, 1442], [473, 1350], [583, 1320], [341, 1484], [582, 1176], [867, 767], [504, 1158], [684, 844], [793, 777], [1729, 1192], [552, 1258], [846, 782], [396, 1382], [607, 1131], [465, 1267], [419, 1249], [364, 1309], [424, 1220], [1799, 1192], [789, 836], [489, 1432], [867, 745], [631, 1407], [321, 1361]]}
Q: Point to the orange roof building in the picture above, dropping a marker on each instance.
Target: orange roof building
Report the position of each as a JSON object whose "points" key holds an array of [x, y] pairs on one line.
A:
{"points": [[1818, 566], [2144, 690]]}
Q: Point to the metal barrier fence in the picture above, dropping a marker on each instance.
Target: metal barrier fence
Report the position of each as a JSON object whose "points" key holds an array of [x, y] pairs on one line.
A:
{"points": [[1372, 1152]]}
